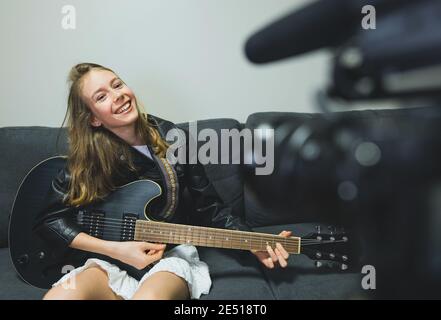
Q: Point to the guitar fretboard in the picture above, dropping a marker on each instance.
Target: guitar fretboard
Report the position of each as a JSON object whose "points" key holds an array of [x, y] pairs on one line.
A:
{"points": [[160, 232]]}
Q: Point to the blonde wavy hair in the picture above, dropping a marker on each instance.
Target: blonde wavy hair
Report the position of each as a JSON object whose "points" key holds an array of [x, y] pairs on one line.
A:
{"points": [[97, 158]]}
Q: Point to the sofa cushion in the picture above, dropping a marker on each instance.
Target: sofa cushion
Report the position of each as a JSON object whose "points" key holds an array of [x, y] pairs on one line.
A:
{"points": [[21, 148], [236, 275]]}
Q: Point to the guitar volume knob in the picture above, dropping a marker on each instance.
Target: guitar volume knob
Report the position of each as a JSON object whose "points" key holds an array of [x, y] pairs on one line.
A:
{"points": [[23, 259]]}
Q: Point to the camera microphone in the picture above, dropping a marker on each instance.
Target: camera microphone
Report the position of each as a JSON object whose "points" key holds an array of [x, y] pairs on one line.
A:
{"points": [[321, 24]]}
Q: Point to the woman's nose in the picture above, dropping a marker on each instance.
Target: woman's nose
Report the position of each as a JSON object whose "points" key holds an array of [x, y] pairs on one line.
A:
{"points": [[116, 95]]}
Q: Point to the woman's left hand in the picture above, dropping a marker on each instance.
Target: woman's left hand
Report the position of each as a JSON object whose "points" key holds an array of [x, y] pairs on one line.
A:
{"points": [[271, 257]]}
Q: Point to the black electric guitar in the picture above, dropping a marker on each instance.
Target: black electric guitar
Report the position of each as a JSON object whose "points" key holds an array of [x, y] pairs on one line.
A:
{"points": [[123, 216]]}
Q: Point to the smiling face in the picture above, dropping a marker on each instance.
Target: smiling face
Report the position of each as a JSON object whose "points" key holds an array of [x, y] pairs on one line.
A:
{"points": [[112, 103]]}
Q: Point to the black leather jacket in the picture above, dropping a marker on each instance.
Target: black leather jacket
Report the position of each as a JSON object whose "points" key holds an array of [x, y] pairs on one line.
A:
{"points": [[57, 223]]}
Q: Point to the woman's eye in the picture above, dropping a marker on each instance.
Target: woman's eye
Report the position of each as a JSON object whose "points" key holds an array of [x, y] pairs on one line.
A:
{"points": [[119, 85], [100, 98]]}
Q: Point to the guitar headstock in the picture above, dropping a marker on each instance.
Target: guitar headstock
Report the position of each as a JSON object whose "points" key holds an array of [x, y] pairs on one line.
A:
{"points": [[327, 247]]}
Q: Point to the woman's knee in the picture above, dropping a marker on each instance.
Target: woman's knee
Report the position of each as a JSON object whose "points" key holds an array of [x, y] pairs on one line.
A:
{"points": [[91, 283], [63, 293], [163, 286]]}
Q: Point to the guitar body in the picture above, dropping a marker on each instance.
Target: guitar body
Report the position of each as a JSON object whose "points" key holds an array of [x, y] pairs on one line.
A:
{"points": [[41, 264]]}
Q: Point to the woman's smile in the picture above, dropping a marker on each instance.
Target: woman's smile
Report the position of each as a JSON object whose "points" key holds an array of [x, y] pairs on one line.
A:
{"points": [[125, 108]]}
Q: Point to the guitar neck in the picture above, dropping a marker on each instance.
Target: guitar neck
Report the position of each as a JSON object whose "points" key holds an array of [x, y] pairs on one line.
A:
{"points": [[161, 232]]}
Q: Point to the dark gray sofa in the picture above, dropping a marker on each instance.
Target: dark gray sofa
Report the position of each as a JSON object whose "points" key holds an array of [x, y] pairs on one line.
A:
{"points": [[236, 275]]}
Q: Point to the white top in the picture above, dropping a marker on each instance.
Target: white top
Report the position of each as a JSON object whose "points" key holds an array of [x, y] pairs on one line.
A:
{"points": [[144, 150]]}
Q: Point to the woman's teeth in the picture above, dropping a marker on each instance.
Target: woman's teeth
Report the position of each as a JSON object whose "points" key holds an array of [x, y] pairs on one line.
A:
{"points": [[123, 109]]}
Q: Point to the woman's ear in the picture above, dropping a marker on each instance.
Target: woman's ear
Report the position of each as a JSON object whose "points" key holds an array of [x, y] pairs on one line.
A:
{"points": [[94, 121]]}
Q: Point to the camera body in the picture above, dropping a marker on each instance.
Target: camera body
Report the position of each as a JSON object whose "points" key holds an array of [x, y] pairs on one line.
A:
{"points": [[378, 174]]}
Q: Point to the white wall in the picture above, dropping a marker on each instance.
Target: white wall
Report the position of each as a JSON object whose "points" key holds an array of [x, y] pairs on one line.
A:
{"points": [[183, 58]]}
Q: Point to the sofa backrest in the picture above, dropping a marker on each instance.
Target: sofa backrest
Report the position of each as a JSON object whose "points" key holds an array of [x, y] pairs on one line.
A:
{"points": [[21, 148]]}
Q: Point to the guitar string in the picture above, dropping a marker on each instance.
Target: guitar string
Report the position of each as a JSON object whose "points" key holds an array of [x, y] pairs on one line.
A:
{"points": [[167, 238], [123, 220], [232, 245], [155, 224], [130, 228]]}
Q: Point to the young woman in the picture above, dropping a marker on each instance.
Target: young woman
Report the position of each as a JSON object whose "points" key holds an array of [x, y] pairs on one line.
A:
{"points": [[112, 143]]}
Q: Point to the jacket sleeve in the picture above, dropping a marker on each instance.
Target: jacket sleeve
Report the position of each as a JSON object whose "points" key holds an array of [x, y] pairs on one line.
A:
{"points": [[209, 207], [56, 222]]}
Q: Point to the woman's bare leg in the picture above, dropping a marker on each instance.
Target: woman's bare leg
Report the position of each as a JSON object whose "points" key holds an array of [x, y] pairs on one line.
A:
{"points": [[163, 285], [90, 284]]}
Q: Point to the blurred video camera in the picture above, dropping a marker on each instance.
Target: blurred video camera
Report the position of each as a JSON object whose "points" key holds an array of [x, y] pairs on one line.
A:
{"points": [[382, 174]]}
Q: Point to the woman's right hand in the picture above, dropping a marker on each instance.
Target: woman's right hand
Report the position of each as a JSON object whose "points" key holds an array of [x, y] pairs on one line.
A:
{"points": [[137, 254]]}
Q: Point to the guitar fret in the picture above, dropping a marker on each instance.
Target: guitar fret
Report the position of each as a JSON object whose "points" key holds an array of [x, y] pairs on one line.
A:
{"points": [[196, 236], [203, 237], [210, 240], [182, 235], [231, 237]]}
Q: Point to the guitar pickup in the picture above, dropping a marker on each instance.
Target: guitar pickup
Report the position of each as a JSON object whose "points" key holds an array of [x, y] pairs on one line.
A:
{"points": [[128, 227], [92, 221]]}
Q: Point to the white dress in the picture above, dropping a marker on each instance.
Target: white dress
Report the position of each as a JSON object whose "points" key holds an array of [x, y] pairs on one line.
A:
{"points": [[182, 260]]}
